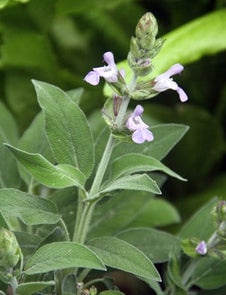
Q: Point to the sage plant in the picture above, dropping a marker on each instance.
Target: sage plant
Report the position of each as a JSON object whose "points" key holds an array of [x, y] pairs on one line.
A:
{"points": [[56, 246]]}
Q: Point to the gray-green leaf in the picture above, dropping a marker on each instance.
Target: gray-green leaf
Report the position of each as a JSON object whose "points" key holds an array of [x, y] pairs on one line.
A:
{"points": [[200, 225], [67, 128], [59, 176], [140, 182], [60, 255], [122, 255], [133, 163], [31, 287], [30, 209], [154, 243]]}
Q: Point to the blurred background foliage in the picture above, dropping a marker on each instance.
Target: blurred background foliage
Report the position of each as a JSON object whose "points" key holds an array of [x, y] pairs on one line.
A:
{"points": [[59, 41]]}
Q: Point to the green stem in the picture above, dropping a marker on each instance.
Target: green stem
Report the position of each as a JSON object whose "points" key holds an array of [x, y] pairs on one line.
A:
{"points": [[84, 222], [78, 216], [102, 166], [188, 273], [58, 282], [83, 274], [14, 285], [64, 227]]}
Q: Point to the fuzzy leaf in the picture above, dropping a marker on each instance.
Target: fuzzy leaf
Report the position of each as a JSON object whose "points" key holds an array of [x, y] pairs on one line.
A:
{"points": [[59, 176], [154, 243], [30, 209], [66, 127], [34, 140], [133, 182], [200, 225], [122, 255], [31, 287], [61, 255], [133, 163]]}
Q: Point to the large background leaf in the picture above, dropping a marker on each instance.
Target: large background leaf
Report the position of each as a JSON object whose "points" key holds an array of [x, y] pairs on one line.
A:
{"points": [[8, 133]]}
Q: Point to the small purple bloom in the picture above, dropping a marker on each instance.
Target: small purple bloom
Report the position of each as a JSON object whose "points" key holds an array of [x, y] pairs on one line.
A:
{"points": [[163, 82], [109, 72], [201, 248], [135, 123]]}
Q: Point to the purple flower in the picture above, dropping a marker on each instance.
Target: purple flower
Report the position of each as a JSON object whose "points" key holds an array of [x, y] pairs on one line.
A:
{"points": [[164, 82], [109, 72], [135, 123], [201, 248]]}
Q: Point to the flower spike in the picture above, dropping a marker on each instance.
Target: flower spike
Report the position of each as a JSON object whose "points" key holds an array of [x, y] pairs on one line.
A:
{"points": [[164, 82]]}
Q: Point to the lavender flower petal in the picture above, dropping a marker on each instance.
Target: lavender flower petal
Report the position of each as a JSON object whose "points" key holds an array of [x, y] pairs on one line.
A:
{"points": [[142, 134], [175, 69], [201, 248], [135, 122], [183, 96], [109, 72], [163, 82], [92, 78]]}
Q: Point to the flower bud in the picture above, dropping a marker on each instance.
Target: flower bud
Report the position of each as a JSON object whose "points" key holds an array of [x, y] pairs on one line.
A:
{"points": [[9, 251], [141, 67], [93, 290], [147, 25], [219, 212], [135, 47]]}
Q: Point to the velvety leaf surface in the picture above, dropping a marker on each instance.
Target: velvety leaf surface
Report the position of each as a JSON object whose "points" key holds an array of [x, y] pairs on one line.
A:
{"points": [[60, 255], [200, 225], [66, 202], [133, 182], [133, 163], [210, 273], [59, 176], [34, 140], [3, 222], [31, 287], [149, 215], [129, 209], [28, 243], [154, 243], [122, 255], [67, 128], [114, 214], [30, 209]]}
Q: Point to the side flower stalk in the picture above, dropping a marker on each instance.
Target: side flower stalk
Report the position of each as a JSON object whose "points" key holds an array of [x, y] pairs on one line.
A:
{"points": [[115, 78]]}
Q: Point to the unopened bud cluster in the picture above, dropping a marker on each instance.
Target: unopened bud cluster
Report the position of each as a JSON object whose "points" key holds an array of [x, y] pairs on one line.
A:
{"points": [[144, 46], [10, 253]]}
